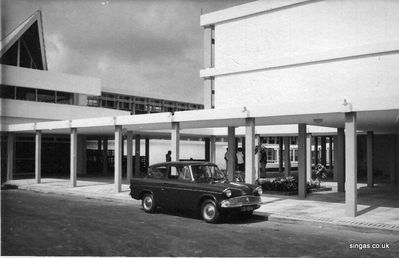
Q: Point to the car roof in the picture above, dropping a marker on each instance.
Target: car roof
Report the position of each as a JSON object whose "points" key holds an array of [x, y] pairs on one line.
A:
{"points": [[183, 163]]}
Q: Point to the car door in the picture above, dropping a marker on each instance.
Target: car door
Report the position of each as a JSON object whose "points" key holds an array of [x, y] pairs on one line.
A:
{"points": [[157, 178]]}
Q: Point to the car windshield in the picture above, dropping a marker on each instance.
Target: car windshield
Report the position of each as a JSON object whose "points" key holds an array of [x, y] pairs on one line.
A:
{"points": [[206, 172]]}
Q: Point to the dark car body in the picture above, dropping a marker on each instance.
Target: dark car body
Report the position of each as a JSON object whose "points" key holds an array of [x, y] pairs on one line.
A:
{"points": [[193, 186]]}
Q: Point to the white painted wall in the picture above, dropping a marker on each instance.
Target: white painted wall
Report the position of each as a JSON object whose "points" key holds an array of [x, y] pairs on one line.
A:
{"points": [[39, 111], [307, 30], [32, 78]]}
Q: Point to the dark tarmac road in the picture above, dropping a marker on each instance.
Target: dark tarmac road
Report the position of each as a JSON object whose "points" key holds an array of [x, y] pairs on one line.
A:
{"points": [[35, 224]]}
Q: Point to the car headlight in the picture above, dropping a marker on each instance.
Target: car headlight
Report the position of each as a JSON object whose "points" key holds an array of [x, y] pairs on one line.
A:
{"points": [[227, 192], [259, 190]]}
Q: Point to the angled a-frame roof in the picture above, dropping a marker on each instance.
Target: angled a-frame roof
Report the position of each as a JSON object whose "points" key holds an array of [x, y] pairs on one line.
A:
{"points": [[34, 20]]}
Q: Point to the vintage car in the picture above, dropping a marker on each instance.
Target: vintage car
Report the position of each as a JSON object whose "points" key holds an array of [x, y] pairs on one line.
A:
{"points": [[198, 186]]}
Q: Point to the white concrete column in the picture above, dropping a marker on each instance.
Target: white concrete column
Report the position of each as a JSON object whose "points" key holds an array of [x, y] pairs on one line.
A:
{"points": [[250, 172], [370, 165], [350, 164], [213, 149], [340, 159], [308, 157], [38, 156], [256, 160], [302, 160], [287, 159], [129, 158], [175, 141], [118, 159], [330, 152], [105, 156], [231, 154], [335, 178], [137, 151], [74, 160], [10, 156]]}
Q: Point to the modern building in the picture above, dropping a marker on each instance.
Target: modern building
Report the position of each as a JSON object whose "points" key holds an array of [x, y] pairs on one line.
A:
{"points": [[319, 71], [31, 93]]}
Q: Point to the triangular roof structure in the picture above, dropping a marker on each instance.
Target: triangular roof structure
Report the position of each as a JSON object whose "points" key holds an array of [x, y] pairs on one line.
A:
{"points": [[31, 30]]}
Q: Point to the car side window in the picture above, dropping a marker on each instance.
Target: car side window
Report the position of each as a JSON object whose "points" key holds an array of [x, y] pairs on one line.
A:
{"points": [[157, 172], [173, 172], [185, 174]]}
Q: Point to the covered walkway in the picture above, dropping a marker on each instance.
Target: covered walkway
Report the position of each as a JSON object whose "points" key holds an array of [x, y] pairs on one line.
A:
{"points": [[348, 119], [378, 207]]}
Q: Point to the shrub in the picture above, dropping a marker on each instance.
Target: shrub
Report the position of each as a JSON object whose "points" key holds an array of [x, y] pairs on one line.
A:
{"points": [[285, 184]]}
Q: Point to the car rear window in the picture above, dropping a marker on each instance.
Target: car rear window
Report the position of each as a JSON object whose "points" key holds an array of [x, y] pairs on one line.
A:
{"points": [[157, 172]]}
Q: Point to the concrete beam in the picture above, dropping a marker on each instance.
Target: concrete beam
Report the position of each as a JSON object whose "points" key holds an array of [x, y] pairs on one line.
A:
{"points": [[118, 159], [175, 141], [74, 160], [38, 156], [129, 158], [302, 160], [287, 158], [350, 164], [250, 172], [370, 163], [231, 154]]}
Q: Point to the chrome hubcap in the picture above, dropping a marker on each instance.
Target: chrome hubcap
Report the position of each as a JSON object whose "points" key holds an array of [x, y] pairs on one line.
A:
{"points": [[209, 211], [147, 203]]}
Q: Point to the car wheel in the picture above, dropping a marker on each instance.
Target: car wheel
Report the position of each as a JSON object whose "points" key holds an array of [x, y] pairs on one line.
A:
{"points": [[148, 203], [209, 211]]}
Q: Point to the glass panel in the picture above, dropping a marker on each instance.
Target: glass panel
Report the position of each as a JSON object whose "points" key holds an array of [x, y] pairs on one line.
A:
{"points": [[7, 92], [46, 96], [64, 97], [26, 94]]}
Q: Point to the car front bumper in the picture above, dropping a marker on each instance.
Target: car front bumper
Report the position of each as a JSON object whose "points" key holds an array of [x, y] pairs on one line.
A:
{"points": [[241, 201]]}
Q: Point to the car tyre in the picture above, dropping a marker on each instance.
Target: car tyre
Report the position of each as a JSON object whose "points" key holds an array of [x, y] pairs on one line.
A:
{"points": [[148, 203], [209, 211]]}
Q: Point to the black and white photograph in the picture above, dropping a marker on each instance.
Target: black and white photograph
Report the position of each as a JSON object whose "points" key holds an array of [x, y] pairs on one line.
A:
{"points": [[199, 128]]}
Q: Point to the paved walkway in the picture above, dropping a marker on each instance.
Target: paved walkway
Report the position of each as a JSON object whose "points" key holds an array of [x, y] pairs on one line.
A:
{"points": [[378, 207]]}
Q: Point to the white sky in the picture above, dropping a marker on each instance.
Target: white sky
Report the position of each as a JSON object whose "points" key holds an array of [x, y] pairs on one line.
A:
{"points": [[150, 48]]}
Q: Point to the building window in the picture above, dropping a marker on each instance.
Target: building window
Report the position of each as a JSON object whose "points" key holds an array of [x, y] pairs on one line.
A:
{"points": [[26, 94], [46, 96], [64, 97], [7, 92]]}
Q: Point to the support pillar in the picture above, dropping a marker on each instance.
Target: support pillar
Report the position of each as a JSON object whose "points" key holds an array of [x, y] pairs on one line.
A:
{"points": [[308, 157], [287, 159], [118, 159], [250, 172], [370, 165], [340, 161], [10, 156], [323, 151], [137, 151], [350, 164], [280, 155], [74, 160], [316, 150], [147, 151], [208, 63], [105, 156], [175, 141], [257, 167], [231, 154], [129, 157], [330, 152], [207, 149], [335, 177], [213, 149], [38, 156], [302, 160]]}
